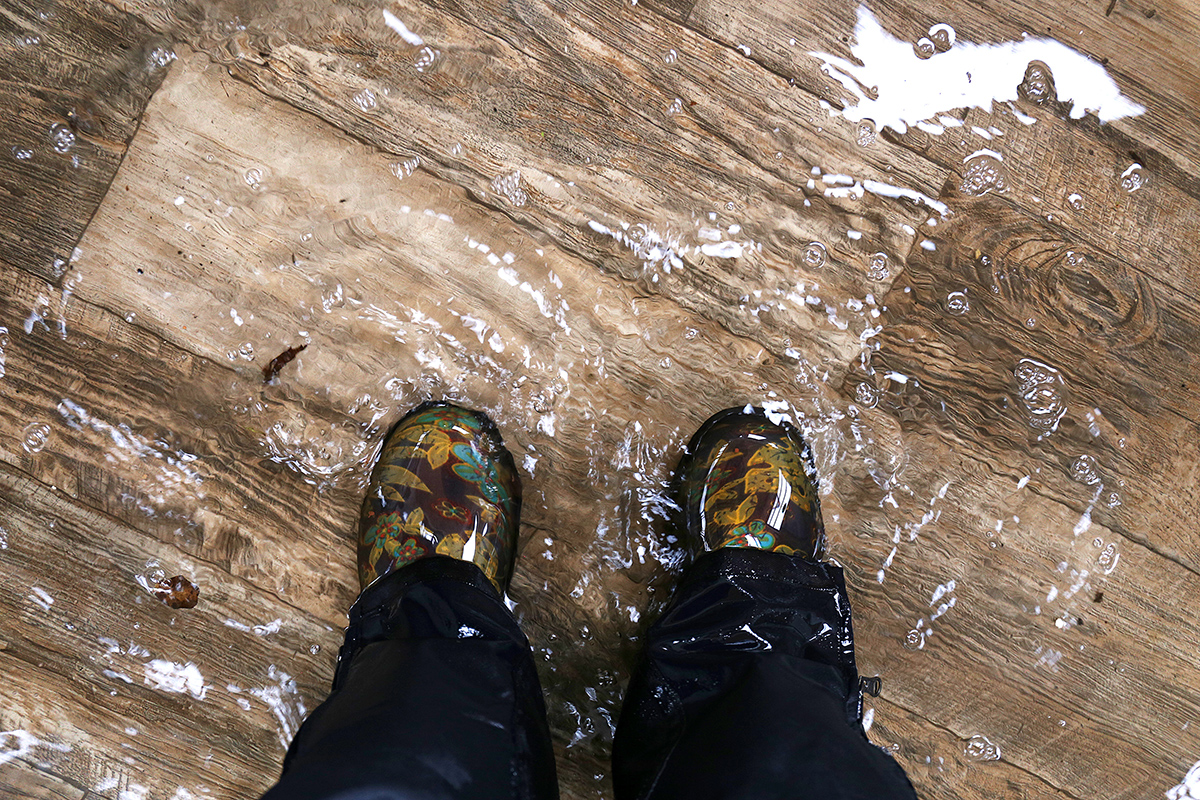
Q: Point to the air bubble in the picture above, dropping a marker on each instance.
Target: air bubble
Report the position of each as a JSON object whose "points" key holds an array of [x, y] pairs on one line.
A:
{"points": [[925, 47], [1084, 470], [943, 37], [878, 268], [670, 56], [957, 303], [62, 138], [314, 649], [984, 173], [366, 100], [676, 106], [866, 134], [1133, 178], [426, 59], [980, 748], [814, 255], [22, 153], [1075, 201], [1038, 84], [915, 640], [253, 177], [34, 437], [246, 351]]}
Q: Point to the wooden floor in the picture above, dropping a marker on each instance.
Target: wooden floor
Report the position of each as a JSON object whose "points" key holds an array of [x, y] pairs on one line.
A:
{"points": [[599, 222]]}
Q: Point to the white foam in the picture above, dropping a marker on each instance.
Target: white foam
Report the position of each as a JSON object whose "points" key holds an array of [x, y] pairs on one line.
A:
{"points": [[393, 22], [1189, 787], [893, 86], [167, 676]]}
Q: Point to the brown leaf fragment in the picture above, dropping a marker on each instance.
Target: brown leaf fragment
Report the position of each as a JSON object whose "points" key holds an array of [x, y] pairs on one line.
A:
{"points": [[279, 361]]}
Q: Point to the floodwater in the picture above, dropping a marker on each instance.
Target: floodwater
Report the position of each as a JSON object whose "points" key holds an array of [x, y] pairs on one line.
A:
{"points": [[598, 306]]}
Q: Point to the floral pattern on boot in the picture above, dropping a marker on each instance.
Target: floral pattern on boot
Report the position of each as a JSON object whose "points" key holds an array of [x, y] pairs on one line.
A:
{"points": [[746, 481], [444, 484]]}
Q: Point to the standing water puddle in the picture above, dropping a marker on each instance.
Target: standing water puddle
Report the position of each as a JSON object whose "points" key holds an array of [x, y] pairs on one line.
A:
{"points": [[933, 341]]}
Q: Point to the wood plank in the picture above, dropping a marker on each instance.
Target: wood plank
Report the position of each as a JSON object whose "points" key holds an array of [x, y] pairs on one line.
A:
{"points": [[1006, 658], [252, 221], [150, 434], [76, 78], [1123, 348], [1147, 49], [110, 690], [1048, 157], [944, 764]]}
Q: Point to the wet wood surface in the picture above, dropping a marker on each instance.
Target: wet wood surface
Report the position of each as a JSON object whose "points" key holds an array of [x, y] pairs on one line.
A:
{"points": [[595, 222]]}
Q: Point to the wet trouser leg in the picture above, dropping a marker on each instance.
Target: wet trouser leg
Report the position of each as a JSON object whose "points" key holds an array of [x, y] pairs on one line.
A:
{"points": [[747, 688], [435, 696]]}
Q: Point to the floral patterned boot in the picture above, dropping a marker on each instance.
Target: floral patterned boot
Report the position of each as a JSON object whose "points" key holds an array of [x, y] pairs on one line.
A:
{"points": [[444, 485], [747, 482]]}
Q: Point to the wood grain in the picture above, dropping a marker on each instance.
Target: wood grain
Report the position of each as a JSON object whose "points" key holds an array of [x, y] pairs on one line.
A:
{"points": [[76, 77], [490, 217]]}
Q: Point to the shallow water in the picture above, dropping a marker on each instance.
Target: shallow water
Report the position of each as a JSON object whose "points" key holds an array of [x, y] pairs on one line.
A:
{"points": [[599, 304]]}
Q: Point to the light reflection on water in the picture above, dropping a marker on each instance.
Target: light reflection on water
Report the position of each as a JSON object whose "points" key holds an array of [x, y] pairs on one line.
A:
{"points": [[515, 323]]}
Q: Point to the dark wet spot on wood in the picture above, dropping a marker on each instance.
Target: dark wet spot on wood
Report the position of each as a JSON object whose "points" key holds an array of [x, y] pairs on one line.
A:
{"points": [[279, 362], [177, 592]]}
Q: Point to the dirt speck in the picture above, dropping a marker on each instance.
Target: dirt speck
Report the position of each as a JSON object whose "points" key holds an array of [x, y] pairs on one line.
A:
{"points": [[177, 592]]}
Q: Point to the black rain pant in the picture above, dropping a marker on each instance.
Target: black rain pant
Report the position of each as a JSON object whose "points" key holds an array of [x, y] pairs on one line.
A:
{"points": [[746, 688]]}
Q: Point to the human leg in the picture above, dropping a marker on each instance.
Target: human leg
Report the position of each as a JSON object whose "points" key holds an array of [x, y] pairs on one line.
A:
{"points": [[435, 694], [747, 686]]}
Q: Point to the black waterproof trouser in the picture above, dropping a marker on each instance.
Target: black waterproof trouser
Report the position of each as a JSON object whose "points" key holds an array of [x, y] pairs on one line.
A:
{"points": [[746, 689]]}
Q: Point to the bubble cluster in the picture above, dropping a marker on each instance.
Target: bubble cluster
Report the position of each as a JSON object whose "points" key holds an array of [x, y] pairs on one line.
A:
{"points": [[984, 173], [878, 269], [980, 748], [1038, 85], [943, 37], [366, 100], [1043, 394], [160, 57], [1133, 178], [426, 59], [405, 168], [866, 395], [866, 135], [509, 187], [1108, 558]]}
